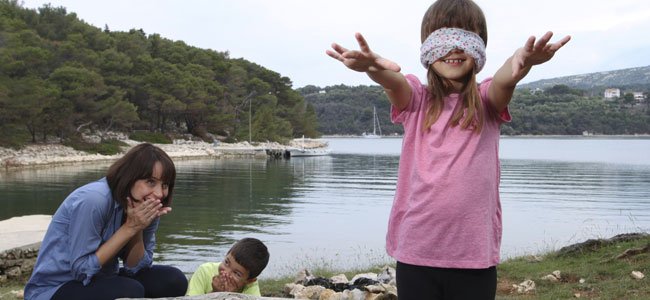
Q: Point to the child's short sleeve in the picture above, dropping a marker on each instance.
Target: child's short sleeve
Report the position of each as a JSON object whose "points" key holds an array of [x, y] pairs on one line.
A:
{"points": [[418, 92]]}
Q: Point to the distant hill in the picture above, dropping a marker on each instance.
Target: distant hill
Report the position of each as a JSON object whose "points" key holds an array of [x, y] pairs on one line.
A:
{"points": [[639, 76]]}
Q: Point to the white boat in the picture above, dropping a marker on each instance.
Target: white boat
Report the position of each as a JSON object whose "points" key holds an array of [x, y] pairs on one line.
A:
{"points": [[375, 126], [298, 152], [302, 151]]}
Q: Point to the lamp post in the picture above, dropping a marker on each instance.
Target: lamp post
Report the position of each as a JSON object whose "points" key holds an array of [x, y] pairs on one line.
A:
{"points": [[250, 114]]}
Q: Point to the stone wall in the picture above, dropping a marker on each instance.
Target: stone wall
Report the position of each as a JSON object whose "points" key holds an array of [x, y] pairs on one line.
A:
{"points": [[18, 262]]}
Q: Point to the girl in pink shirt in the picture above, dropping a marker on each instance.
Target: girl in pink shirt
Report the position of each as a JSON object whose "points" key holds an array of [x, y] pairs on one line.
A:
{"points": [[445, 225]]}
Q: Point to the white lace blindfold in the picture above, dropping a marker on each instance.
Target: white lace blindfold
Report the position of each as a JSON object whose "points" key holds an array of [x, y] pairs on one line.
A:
{"points": [[442, 41]]}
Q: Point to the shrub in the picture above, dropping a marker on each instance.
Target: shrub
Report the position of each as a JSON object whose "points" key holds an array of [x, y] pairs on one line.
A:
{"points": [[150, 137]]}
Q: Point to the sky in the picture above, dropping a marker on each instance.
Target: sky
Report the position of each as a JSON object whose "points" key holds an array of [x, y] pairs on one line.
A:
{"points": [[290, 36]]}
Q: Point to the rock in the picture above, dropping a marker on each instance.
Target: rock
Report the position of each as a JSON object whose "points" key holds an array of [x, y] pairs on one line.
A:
{"points": [[13, 272], [288, 288], [557, 274], [309, 292], [387, 275], [303, 276], [18, 293], [525, 287], [582, 280], [371, 276], [637, 275], [550, 278], [3, 278], [297, 288], [329, 295], [341, 278]]}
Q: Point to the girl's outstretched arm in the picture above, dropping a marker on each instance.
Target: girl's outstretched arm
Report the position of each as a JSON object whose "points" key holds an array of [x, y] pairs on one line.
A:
{"points": [[382, 71], [518, 65]]}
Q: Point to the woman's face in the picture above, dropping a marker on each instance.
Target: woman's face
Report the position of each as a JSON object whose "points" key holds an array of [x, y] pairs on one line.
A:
{"points": [[150, 188]]}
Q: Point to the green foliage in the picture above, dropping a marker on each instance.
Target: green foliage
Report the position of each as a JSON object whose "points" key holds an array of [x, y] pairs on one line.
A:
{"points": [[13, 136], [342, 109], [559, 110], [80, 76], [150, 137], [105, 147]]}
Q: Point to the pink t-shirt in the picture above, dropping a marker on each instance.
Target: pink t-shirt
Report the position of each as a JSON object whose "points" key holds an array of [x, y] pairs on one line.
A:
{"points": [[446, 211]]}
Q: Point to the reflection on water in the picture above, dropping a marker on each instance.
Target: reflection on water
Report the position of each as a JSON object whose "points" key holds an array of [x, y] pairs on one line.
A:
{"points": [[332, 211]]}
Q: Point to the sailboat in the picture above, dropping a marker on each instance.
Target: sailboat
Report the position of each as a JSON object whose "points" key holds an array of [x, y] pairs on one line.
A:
{"points": [[375, 126], [302, 151]]}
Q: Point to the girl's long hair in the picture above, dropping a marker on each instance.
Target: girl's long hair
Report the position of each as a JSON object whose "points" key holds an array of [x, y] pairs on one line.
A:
{"points": [[467, 15]]}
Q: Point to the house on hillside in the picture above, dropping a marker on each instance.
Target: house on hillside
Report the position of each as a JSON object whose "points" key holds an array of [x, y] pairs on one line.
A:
{"points": [[612, 93], [638, 96]]}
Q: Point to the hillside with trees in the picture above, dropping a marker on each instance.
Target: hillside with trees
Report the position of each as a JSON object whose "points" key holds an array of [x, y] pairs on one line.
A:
{"points": [[571, 105], [60, 76]]}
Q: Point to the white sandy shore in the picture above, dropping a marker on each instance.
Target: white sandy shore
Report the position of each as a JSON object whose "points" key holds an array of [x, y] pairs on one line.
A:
{"points": [[43, 155]]}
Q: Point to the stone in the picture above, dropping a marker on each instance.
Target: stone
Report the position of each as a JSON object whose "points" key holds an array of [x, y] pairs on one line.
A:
{"points": [[13, 272], [309, 292], [387, 275], [637, 275], [341, 278], [557, 274], [550, 278], [525, 287]]}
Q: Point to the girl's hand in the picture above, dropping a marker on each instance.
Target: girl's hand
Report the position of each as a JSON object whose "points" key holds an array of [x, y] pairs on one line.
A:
{"points": [[140, 213], [362, 60], [535, 53]]}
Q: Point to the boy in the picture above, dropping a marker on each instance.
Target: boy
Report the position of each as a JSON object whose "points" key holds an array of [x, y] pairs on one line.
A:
{"points": [[236, 273]]}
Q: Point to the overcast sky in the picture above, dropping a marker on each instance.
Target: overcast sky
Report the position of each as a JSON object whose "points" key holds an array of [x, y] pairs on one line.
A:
{"points": [[291, 36]]}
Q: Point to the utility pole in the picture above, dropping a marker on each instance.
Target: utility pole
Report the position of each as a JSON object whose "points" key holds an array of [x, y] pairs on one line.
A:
{"points": [[250, 115]]}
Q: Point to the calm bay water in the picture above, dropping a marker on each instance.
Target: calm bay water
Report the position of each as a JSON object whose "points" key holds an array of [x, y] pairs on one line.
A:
{"points": [[332, 211]]}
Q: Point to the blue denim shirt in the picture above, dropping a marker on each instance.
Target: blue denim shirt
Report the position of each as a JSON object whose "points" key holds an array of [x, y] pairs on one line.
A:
{"points": [[86, 219]]}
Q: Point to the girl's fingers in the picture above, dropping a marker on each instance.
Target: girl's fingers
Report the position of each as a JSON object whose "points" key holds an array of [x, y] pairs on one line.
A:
{"points": [[363, 45]]}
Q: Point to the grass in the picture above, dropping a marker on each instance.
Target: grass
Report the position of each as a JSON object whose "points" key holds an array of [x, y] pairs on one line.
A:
{"points": [[605, 276], [150, 137]]}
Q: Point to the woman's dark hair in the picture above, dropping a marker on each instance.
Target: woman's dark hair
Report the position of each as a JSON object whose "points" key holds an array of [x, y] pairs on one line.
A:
{"points": [[138, 164]]}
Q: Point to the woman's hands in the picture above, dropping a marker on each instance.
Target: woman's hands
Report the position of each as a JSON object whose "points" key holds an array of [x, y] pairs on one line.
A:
{"points": [[140, 213], [362, 60]]}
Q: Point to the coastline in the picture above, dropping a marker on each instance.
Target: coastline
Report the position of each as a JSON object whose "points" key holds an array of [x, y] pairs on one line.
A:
{"points": [[50, 155]]}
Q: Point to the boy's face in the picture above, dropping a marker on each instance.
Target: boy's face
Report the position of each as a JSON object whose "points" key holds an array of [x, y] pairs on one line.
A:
{"points": [[232, 275]]}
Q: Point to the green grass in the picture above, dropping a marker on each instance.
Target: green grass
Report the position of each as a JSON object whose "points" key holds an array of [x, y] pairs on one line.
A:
{"points": [[105, 147], [150, 137], [605, 276]]}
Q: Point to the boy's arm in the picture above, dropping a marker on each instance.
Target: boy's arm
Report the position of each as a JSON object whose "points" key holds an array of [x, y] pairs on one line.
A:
{"points": [[517, 66], [201, 281], [382, 71]]}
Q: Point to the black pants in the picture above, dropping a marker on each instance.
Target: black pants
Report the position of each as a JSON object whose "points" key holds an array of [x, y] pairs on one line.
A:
{"points": [[155, 282], [424, 283]]}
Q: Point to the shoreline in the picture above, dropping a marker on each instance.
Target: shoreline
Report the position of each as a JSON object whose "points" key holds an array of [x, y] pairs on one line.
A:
{"points": [[37, 156]]}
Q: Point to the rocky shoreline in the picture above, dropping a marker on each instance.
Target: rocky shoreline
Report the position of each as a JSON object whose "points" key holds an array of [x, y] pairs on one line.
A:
{"points": [[47, 155]]}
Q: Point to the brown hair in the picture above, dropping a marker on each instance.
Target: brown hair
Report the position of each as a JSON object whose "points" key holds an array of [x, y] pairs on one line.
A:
{"points": [[251, 254], [467, 15], [136, 164]]}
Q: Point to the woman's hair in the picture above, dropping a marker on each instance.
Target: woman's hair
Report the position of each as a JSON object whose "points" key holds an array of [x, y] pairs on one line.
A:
{"points": [[138, 164], [467, 15]]}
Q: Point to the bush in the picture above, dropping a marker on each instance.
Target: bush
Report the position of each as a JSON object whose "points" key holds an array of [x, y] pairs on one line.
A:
{"points": [[150, 137], [13, 136], [105, 147]]}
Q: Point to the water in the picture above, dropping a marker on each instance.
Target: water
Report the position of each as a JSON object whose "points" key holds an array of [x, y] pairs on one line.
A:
{"points": [[332, 211]]}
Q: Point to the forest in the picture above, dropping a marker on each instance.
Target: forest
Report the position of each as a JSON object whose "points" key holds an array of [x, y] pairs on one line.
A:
{"points": [[60, 77], [556, 110]]}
